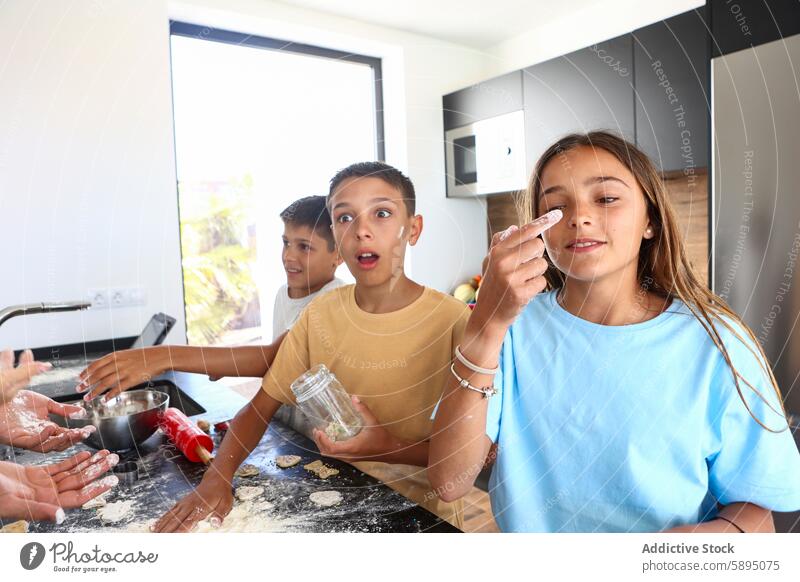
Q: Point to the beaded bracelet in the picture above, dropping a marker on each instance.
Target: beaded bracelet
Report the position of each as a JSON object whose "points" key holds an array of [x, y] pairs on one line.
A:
{"points": [[487, 391]]}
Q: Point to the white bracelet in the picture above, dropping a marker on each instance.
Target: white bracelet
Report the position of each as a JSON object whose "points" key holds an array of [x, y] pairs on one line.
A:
{"points": [[477, 369], [487, 391]]}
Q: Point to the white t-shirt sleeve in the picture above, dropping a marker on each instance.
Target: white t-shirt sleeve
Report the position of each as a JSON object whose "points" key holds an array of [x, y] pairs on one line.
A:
{"points": [[279, 313], [333, 284]]}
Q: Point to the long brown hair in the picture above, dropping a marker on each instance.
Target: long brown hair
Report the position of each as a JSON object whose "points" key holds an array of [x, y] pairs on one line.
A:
{"points": [[664, 268]]}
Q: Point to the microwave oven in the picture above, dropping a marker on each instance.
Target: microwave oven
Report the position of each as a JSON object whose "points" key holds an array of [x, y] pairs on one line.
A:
{"points": [[486, 157]]}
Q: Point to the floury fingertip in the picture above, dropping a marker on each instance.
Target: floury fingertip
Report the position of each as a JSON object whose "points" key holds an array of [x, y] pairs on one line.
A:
{"points": [[548, 219], [551, 217], [508, 232]]}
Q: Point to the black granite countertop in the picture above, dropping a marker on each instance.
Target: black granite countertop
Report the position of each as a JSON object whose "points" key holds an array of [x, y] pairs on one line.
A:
{"points": [[165, 476]]}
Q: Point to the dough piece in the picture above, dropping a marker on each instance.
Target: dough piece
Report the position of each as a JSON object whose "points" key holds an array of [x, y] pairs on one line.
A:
{"points": [[204, 425], [96, 503], [20, 526], [321, 470], [286, 461], [116, 511], [245, 493], [247, 470], [326, 498]]}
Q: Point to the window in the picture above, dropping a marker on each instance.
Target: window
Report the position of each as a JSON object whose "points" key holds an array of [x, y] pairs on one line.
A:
{"points": [[259, 123]]}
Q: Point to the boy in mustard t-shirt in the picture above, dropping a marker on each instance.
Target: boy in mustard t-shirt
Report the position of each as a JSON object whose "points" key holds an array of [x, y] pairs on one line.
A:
{"points": [[388, 340]]}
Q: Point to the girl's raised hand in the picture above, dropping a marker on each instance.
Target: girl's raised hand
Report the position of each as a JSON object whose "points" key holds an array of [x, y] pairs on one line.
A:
{"points": [[513, 271]]}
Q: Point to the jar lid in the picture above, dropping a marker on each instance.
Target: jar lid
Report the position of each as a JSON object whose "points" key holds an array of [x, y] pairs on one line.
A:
{"points": [[311, 383]]}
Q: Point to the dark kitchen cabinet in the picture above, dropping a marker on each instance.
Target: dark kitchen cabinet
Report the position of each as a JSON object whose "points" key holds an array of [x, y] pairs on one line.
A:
{"points": [[484, 100], [582, 91], [740, 25], [672, 91]]}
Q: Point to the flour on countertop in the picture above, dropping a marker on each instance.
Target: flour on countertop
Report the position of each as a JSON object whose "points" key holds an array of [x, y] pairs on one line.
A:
{"points": [[57, 375], [113, 512], [247, 517], [97, 502]]}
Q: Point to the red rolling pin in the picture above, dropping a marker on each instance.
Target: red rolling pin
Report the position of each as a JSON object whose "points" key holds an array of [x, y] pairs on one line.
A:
{"points": [[190, 440]]}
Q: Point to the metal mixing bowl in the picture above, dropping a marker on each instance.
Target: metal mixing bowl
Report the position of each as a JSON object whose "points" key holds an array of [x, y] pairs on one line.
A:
{"points": [[124, 421]]}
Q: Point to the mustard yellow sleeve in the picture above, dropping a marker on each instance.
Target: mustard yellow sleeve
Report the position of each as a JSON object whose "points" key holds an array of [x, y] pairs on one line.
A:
{"points": [[290, 362], [458, 328]]}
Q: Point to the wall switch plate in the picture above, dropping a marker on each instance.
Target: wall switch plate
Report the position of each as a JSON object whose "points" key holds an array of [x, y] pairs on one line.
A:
{"points": [[137, 296]]}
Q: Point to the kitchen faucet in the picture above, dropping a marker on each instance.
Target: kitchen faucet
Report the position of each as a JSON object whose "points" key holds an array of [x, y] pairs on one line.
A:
{"points": [[31, 308]]}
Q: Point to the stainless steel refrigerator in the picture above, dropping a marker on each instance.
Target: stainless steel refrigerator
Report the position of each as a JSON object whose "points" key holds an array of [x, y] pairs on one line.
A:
{"points": [[756, 198], [756, 202]]}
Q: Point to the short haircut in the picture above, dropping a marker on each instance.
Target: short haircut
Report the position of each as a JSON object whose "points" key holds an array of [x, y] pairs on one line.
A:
{"points": [[312, 212], [385, 172]]}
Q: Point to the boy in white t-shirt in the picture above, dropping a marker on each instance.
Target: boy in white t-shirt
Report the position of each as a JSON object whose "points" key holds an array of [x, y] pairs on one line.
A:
{"points": [[309, 257]]}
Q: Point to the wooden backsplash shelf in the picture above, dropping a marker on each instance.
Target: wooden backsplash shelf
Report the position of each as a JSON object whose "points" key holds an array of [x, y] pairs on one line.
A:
{"points": [[689, 198]]}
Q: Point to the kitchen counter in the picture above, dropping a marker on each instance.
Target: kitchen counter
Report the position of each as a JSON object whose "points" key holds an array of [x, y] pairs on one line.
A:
{"points": [[165, 476]]}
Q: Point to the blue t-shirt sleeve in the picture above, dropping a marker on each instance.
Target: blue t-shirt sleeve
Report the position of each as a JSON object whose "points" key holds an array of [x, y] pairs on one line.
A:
{"points": [[752, 464], [504, 376]]}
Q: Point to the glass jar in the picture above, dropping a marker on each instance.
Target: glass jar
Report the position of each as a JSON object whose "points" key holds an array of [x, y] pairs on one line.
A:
{"points": [[324, 401]]}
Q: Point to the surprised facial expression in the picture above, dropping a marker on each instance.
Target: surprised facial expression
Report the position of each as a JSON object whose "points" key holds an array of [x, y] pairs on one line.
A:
{"points": [[372, 226]]}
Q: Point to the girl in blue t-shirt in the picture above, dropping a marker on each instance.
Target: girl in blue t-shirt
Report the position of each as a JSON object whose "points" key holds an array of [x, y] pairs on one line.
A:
{"points": [[626, 396]]}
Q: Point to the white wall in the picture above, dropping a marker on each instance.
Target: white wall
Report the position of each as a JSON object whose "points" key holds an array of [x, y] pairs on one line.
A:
{"points": [[87, 172], [87, 178]]}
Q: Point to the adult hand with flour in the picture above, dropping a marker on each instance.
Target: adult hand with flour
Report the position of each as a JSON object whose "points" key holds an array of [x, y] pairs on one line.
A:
{"points": [[13, 379], [43, 492], [25, 423]]}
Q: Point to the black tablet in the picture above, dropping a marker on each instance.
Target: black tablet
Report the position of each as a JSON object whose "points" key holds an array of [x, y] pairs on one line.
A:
{"points": [[155, 332]]}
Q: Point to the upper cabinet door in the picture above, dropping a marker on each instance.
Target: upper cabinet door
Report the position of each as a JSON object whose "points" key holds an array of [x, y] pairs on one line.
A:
{"points": [[487, 99], [740, 25], [672, 105], [583, 91]]}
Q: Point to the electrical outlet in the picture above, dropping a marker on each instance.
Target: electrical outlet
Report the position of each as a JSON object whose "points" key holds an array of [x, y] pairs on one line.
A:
{"points": [[117, 297], [99, 297]]}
